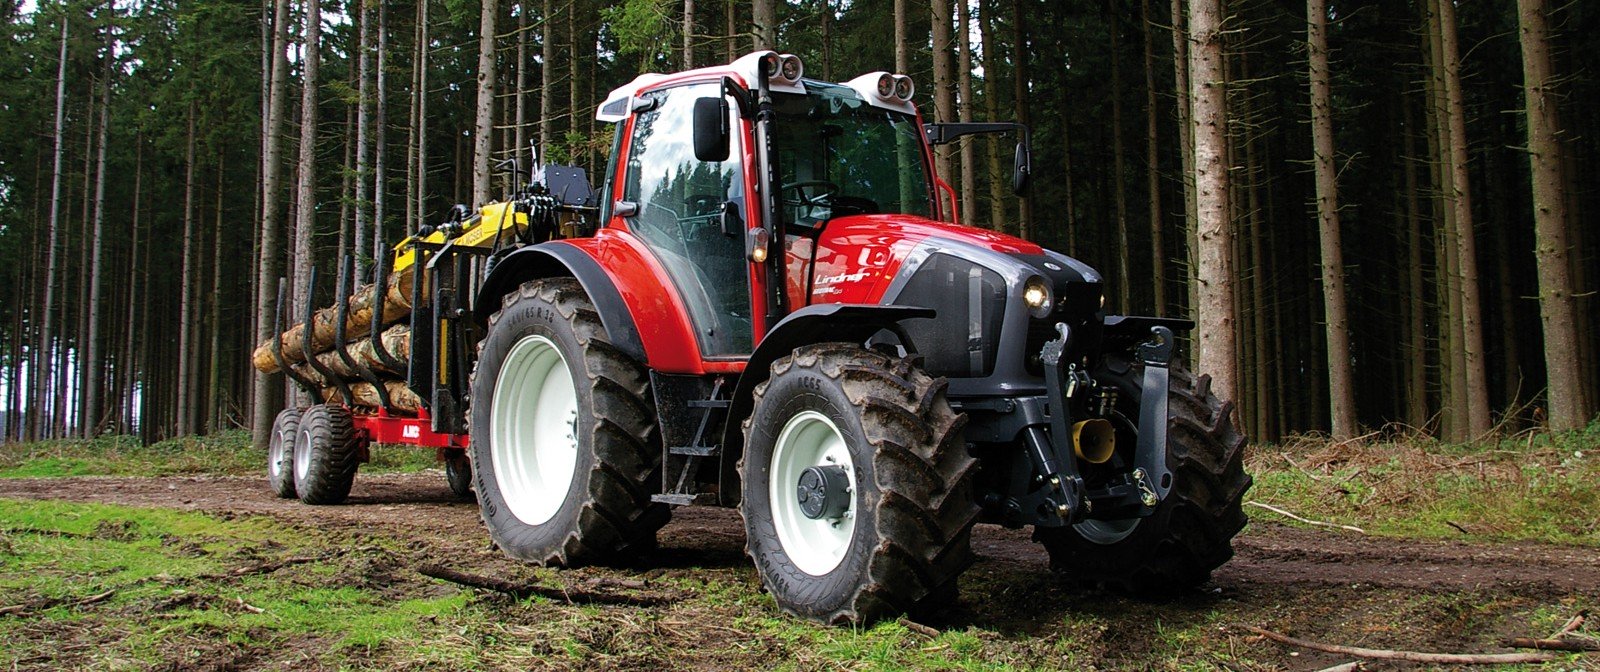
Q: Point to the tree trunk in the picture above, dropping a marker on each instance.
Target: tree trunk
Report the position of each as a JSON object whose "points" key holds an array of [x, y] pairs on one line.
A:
{"points": [[1341, 393], [422, 120], [1416, 342], [688, 34], [1185, 113], [1477, 387], [129, 363], [1118, 179], [186, 310], [1152, 168], [214, 394], [764, 13], [732, 30], [1558, 313], [969, 161], [483, 131], [944, 98], [520, 136], [363, 137], [991, 107], [91, 365], [1019, 99], [547, 83], [39, 409], [902, 42], [268, 391], [380, 137], [1216, 345], [306, 208]]}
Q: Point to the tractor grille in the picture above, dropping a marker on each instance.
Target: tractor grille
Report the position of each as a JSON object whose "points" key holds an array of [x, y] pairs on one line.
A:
{"points": [[963, 340]]}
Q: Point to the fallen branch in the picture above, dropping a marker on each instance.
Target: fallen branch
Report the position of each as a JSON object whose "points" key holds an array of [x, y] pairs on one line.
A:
{"points": [[95, 598], [1353, 666], [1409, 656], [526, 590], [1307, 521], [1551, 644], [919, 628], [270, 567], [249, 607], [1572, 624], [1459, 527]]}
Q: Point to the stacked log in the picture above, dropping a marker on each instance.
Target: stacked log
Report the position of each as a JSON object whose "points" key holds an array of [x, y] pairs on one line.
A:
{"points": [[401, 398], [392, 305], [364, 307]]}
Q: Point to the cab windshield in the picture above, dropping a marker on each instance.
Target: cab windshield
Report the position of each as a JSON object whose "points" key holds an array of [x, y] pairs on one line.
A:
{"points": [[838, 155]]}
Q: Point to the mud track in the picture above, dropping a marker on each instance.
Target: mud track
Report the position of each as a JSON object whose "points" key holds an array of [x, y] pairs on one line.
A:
{"points": [[421, 508]]}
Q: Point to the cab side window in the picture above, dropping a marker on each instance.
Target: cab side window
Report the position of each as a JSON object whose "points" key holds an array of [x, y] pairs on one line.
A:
{"points": [[680, 201]]}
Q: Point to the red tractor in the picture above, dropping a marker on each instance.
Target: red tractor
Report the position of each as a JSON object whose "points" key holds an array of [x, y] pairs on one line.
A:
{"points": [[771, 312]]}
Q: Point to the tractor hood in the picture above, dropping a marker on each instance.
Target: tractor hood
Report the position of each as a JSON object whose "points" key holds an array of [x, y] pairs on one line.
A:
{"points": [[859, 257], [976, 280]]}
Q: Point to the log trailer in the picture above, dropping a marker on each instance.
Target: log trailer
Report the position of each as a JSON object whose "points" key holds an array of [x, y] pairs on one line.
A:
{"points": [[766, 307]]}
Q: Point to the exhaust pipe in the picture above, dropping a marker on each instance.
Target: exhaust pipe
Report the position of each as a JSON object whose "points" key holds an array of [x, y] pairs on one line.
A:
{"points": [[1094, 440]]}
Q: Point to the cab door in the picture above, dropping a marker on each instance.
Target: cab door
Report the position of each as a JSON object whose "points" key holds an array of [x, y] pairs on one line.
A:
{"points": [[674, 204]]}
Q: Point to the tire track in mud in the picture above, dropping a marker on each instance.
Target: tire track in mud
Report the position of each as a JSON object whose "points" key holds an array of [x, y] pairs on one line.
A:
{"points": [[421, 507]]}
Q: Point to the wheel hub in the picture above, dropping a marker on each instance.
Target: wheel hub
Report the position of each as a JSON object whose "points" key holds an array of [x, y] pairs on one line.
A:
{"points": [[824, 492]]}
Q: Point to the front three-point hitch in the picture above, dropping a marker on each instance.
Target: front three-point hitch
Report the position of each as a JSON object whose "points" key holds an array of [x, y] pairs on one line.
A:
{"points": [[1080, 429]]}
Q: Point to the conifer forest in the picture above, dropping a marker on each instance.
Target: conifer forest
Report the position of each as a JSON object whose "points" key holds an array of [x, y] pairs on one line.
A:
{"points": [[1380, 213]]}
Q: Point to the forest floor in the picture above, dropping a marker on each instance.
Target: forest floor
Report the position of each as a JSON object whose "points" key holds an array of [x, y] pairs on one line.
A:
{"points": [[186, 568]]}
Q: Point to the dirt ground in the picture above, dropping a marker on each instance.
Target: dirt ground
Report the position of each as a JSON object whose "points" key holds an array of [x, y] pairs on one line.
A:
{"points": [[1325, 584]]}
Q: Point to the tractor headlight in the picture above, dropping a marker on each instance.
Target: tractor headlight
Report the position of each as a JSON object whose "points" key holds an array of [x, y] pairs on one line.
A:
{"points": [[1036, 294]]}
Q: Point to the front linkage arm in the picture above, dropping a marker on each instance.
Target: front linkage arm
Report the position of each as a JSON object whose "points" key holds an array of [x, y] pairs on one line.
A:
{"points": [[1054, 459]]}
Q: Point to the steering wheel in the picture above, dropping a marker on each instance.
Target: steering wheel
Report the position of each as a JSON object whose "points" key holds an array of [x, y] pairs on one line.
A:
{"points": [[819, 198]]}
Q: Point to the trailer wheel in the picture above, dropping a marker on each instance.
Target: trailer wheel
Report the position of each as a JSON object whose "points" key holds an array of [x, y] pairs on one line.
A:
{"points": [[857, 486], [458, 473], [280, 452], [326, 455], [1192, 530], [563, 433]]}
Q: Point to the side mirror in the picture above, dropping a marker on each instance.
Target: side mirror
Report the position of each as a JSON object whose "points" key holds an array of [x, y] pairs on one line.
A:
{"points": [[1021, 169], [711, 129]]}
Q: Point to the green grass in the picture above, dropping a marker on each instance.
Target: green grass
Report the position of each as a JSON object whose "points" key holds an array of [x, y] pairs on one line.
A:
{"points": [[224, 453], [1540, 487], [173, 579]]}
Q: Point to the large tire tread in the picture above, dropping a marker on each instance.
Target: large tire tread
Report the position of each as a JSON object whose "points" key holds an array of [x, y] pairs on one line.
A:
{"points": [[335, 455], [615, 517], [922, 468], [1193, 531]]}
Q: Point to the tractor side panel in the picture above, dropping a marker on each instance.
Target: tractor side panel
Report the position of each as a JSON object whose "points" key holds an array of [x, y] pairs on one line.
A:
{"points": [[662, 319]]}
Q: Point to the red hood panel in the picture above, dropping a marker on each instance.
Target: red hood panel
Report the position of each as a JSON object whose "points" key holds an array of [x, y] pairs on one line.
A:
{"points": [[858, 256]]}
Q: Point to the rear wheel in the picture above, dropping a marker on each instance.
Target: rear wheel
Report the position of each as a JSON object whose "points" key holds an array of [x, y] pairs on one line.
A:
{"points": [[563, 433], [280, 452], [1192, 529], [326, 455], [857, 486]]}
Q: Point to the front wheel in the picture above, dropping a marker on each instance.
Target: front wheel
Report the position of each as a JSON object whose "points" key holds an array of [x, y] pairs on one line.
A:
{"points": [[1192, 530], [857, 495], [564, 446]]}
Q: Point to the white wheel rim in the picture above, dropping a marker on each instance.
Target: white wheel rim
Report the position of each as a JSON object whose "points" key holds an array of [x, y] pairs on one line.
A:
{"points": [[275, 455], [816, 546], [302, 454], [533, 423], [1105, 532]]}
